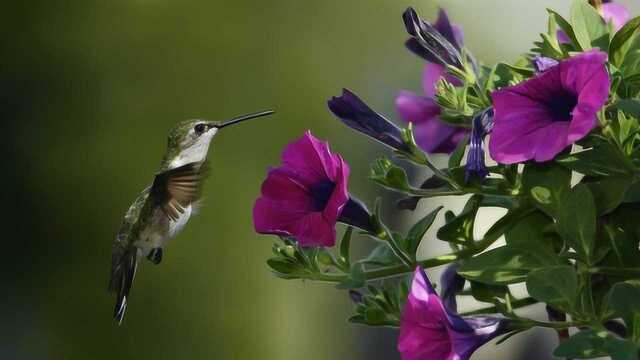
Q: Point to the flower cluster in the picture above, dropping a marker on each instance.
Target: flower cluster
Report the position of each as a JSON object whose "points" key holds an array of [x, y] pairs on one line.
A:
{"points": [[561, 126]]}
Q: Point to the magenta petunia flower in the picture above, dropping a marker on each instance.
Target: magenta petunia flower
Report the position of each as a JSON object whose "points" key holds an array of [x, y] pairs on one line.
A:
{"points": [[307, 195], [431, 134], [540, 117], [429, 330]]}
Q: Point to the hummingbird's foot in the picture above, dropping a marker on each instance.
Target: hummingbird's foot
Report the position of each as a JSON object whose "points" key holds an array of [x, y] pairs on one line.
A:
{"points": [[155, 256]]}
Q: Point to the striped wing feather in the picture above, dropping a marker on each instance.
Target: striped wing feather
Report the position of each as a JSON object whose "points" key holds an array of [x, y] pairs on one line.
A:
{"points": [[178, 188]]}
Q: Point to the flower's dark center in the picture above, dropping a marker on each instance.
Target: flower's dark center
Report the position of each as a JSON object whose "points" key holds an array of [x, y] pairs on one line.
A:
{"points": [[320, 194], [562, 105]]}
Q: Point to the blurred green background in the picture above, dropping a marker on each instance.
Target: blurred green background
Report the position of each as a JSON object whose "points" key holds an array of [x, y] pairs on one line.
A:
{"points": [[89, 92]]}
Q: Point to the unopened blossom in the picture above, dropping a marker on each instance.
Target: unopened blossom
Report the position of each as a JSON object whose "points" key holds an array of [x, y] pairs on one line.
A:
{"points": [[354, 113], [430, 133]]}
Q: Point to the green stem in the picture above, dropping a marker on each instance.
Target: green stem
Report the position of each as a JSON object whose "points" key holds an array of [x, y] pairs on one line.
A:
{"points": [[515, 304], [424, 193], [384, 236], [390, 271], [555, 325], [622, 272]]}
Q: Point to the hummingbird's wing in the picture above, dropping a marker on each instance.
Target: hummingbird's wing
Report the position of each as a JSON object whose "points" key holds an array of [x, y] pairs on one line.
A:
{"points": [[177, 188]]}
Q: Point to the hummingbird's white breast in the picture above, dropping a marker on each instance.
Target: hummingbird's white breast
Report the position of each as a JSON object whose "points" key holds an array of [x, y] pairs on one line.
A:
{"points": [[161, 229]]}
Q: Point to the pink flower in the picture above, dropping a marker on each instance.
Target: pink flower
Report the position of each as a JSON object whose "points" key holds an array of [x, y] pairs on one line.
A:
{"points": [[307, 195]]}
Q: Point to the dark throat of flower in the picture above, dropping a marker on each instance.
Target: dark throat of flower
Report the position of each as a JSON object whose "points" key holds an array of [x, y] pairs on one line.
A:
{"points": [[321, 193], [561, 106]]}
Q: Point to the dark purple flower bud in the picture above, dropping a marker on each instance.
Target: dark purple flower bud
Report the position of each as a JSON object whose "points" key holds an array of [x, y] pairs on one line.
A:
{"points": [[481, 126], [450, 31], [429, 330], [354, 113], [355, 213], [429, 43], [355, 296], [543, 63], [452, 284]]}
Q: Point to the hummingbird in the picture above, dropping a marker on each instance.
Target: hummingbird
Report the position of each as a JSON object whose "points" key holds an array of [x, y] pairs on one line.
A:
{"points": [[162, 210]]}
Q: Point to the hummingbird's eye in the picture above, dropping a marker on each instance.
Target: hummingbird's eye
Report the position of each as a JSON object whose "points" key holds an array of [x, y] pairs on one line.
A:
{"points": [[199, 128]]}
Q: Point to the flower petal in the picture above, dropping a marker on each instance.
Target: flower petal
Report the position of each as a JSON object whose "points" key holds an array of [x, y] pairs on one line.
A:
{"points": [[435, 136], [450, 31], [310, 159], [414, 108], [340, 194], [615, 13]]}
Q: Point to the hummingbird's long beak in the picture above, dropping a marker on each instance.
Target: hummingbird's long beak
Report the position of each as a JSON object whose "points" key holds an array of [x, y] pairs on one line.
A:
{"points": [[244, 117]]}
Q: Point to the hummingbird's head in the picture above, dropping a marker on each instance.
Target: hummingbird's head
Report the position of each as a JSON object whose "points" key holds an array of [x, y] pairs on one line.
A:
{"points": [[189, 140]]}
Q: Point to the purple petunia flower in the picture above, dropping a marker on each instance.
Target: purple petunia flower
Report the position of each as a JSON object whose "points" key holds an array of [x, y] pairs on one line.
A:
{"points": [[307, 195], [429, 330], [540, 117], [431, 134]]}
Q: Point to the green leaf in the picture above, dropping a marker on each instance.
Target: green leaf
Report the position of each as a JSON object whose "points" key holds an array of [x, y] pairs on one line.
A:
{"points": [[355, 278], [460, 229], [487, 293], [392, 177], [609, 192], [630, 106], [418, 230], [504, 265], [622, 40], [556, 286], [589, 27], [382, 255], [283, 268], [548, 185], [622, 300], [577, 221], [345, 246], [531, 232], [603, 159], [593, 343], [565, 26], [633, 193], [520, 70], [456, 157]]}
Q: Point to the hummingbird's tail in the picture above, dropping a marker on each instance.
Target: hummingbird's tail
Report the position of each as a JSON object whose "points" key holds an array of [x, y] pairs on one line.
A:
{"points": [[123, 271]]}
